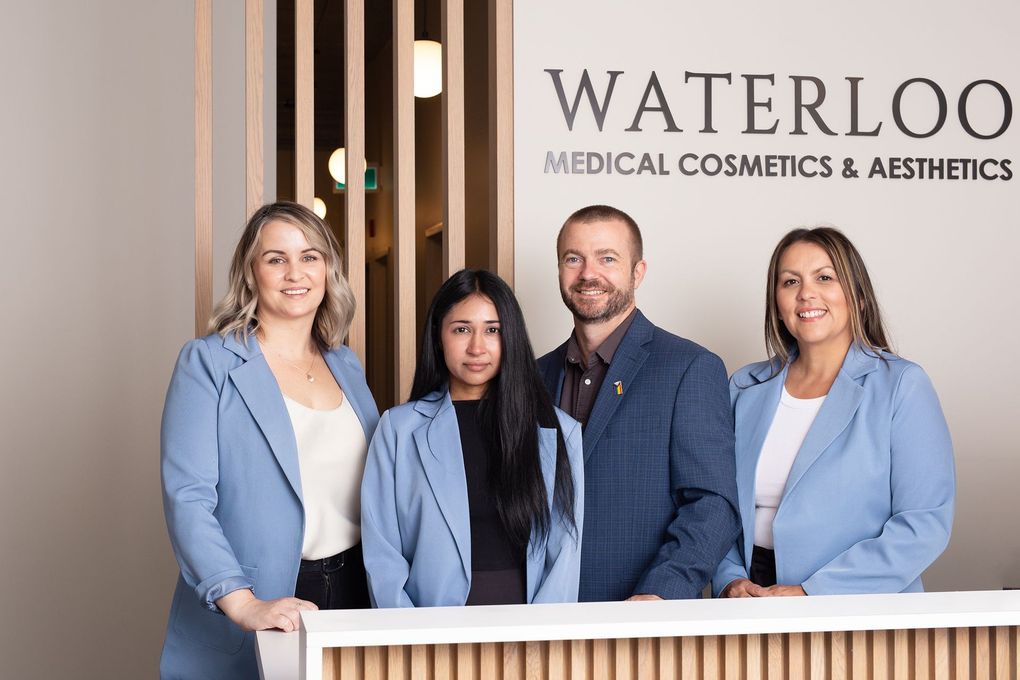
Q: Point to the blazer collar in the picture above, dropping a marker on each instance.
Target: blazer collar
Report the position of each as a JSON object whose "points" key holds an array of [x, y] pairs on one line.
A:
{"points": [[629, 357], [261, 394], [837, 411], [442, 458]]}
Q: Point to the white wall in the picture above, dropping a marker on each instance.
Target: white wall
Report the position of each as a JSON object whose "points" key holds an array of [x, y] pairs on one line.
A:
{"points": [[940, 252], [96, 173]]}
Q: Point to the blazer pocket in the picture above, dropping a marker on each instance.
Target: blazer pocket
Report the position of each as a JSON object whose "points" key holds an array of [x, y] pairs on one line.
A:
{"points": [[194, 622]]}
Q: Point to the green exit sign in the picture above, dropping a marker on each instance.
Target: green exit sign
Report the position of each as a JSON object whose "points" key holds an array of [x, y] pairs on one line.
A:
{"points": [[371, 181]]}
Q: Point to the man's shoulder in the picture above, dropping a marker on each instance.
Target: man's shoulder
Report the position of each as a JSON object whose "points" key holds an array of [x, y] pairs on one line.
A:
{"points": [[666, 346]]}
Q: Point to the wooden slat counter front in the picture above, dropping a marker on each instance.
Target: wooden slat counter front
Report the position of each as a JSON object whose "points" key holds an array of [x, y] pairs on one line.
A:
{"points": [[947, 636]]}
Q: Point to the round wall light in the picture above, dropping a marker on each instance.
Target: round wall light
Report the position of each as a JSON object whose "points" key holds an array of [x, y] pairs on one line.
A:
{"points": [[319, 207], [428, 68]]}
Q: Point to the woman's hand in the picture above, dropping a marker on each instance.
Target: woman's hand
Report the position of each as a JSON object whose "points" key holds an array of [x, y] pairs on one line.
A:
{"points": [[251, 613], [742, 587], [783, 591]]}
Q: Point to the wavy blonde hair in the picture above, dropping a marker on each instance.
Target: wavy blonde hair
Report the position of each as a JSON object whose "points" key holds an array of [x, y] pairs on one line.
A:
{"points": [[237, 312], [866, 326]]}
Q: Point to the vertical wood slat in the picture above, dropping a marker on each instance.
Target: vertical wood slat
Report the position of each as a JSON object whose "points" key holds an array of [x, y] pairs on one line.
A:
{"points": [[304, 102], [690, 666], [501, 139], [419, 662], [1002, 653], [535, 660], [732, 666], [354, 188], [901, 654], [453, 136], [819, 656], [403, 211], [253, 106], [710, 666], [624, 661], [941, 647], [557, 660], [203, 165], [775, 656], [861, 661], [922, 653], [667, 666], [579, 659], [513, 661], [375, 662], [600, 659], [795, 655], [491, 661], [961, 649], [879, 655], [838, 656], [982, 654]]}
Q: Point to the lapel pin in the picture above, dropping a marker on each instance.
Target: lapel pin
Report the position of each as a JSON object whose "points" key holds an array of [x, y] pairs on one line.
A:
{"points": [[619, 386]]}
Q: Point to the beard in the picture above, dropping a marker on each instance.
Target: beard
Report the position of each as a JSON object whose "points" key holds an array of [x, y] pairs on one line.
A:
{"points": [[597, 311]]}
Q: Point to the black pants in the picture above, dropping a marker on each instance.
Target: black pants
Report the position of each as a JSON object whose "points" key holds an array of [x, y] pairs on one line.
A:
{"points": [[336, 582], [763, 567]]}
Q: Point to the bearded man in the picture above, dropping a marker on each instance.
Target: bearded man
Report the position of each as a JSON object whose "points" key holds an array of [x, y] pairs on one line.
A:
{"points": [[660, 498]]}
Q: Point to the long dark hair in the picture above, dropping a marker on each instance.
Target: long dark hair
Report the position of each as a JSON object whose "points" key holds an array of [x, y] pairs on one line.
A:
{"points": [[511, 413]]}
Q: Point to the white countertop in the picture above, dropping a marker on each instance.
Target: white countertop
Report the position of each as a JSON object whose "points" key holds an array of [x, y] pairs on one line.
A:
{"points": [[278, 651]]}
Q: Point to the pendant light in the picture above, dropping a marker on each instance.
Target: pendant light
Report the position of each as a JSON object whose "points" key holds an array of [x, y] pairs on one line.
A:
{"points": [[428, 61]]}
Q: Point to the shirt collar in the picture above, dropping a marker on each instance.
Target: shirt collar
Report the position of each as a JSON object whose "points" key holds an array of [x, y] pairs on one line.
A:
{"points": [[607, 349]]}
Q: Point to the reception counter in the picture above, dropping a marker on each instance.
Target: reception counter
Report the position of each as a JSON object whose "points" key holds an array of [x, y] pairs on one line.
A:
{"points": [[922, 635]]}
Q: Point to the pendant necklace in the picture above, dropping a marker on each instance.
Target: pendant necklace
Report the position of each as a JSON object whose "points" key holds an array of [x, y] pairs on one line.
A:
{"points": [[308, 373]]}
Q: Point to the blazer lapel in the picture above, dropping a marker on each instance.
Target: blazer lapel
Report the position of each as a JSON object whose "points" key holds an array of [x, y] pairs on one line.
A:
{"points": [[756, 407], [261, 394], [536, 552], [627, 361], [837, 411], [442, 458], [346, 376]]}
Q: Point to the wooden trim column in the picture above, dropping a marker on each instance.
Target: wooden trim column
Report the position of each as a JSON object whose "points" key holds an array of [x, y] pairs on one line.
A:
{"points": [[304, 102], [203, 165], [253, 103], [403, 210], [501, 138], [354, 192], [453, 135]]}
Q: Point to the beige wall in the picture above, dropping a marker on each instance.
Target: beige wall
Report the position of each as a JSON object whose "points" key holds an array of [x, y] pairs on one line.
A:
{"points": [[97, 177]]}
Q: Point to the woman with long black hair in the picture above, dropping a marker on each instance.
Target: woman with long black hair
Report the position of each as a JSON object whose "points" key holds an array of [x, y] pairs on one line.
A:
{"points": [[473, 489]]}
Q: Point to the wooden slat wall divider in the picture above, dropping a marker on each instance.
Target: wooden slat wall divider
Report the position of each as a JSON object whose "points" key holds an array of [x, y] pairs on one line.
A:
{"points": [[253, 106], [973, 653], [501, 138], [453, 135], [354, 191], [203, 165], [404, 209], [304, 102]]}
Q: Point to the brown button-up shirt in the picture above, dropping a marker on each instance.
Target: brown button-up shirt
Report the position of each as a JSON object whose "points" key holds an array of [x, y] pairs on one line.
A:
{"points": [[581, 383]]}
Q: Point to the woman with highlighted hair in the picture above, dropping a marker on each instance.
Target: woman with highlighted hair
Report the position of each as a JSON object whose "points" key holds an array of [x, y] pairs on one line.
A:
{"points": [[265, 430], [845, 472], [473, 489]]}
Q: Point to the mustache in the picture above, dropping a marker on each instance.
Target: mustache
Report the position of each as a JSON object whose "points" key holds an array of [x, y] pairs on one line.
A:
{"points": [[593, 285]]}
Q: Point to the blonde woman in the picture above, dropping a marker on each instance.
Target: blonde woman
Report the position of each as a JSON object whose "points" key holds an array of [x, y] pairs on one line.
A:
{"points": [[264, 436]]}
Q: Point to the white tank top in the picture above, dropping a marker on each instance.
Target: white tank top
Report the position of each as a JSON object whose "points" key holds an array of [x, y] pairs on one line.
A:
{"points": [[331, 452], [789, 427]]}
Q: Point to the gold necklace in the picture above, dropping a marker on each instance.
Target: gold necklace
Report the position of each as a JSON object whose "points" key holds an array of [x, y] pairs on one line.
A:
{"points": [[308, 373]]}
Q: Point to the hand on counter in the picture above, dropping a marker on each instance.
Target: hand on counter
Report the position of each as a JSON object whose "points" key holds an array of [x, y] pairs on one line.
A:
{"points": [[643, 597], [251, 613], [784, 591], [742, 587]]}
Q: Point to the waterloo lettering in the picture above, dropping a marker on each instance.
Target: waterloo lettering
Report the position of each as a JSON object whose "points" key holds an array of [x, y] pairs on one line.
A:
{"points": [[591, 107]]}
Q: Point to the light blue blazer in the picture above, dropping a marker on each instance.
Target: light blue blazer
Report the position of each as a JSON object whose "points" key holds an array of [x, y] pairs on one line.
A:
{"points": [[415, 526], [868, 504], [232, 495]]}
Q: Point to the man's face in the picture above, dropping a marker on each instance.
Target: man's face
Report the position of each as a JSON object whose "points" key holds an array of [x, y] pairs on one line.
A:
{"points": [[598, 275]]}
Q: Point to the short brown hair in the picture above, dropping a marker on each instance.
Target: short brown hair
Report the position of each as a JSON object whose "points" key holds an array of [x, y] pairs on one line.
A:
{"points": [[606, 213], [866, 325], [235, 313]]}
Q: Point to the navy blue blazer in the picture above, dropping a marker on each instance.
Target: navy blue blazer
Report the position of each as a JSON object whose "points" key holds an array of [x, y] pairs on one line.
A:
{"points": [[868, 504], [232, 495], [659, 489], [415, 524]]}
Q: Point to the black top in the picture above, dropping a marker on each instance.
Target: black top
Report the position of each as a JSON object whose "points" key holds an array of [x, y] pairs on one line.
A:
{"points": [[498, 573]]}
